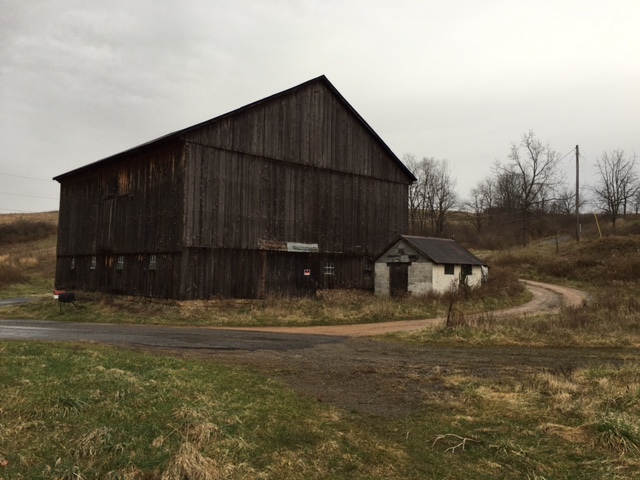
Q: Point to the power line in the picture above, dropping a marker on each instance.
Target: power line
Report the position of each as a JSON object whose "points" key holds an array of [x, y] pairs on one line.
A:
{"points": [[582, 156], [30, 196], [27, 177], [23, 176], [567, 154]]}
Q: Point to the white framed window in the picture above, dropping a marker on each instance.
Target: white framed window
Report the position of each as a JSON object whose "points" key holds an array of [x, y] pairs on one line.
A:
{"points": [[94, 261], [120, 264], [329, 268], [153, 262], [448, 269]]}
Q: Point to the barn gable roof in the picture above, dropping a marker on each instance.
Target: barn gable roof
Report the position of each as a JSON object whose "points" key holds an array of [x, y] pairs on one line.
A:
{"points": [[179, 133], [440, 250]]}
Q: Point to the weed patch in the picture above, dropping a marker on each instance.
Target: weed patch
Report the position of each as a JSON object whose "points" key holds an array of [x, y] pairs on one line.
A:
{"points": [[618, 432]]}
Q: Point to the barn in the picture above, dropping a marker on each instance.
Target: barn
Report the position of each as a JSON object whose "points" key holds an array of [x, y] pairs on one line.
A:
{"points": [[286, 194], [422, 264]]}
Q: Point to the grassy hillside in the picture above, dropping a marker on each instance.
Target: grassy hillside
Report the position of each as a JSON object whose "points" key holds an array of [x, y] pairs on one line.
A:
{"points": [[27, 254], [607, 268]]}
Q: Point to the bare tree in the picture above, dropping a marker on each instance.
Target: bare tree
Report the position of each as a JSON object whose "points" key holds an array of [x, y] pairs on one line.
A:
{"points": [[443, 195], [506, 193], [415, 193], [432, 196], [564, 202], [617, 183], [482, 203], [532, 176], [636, 202]]}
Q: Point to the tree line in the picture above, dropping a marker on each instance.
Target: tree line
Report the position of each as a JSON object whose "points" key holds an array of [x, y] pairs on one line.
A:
{"points": [[523, 197]]}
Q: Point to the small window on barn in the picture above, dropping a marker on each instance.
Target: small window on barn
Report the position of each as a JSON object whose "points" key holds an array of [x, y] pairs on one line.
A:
{"points": [[94, 261], [329, 268], [73, 263], [112, 186], [448, 269], [153, 262], [120, 264], [368, 265], [467, 270]]}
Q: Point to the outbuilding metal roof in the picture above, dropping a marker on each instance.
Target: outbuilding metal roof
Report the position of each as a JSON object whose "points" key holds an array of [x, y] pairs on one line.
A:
{"points": [[442, 250]]}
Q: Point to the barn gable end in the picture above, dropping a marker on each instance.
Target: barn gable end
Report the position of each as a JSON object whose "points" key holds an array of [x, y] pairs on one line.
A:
{"points": [[312, 125], [213, 209]]}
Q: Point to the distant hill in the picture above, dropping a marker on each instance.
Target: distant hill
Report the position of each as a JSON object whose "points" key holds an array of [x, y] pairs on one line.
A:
{"points": [[28, 252]]}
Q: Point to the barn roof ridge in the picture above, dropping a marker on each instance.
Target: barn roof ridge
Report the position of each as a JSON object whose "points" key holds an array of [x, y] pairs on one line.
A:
{"points": [[178, 133]]}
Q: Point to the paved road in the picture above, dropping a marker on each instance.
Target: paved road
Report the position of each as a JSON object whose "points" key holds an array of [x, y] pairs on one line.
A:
{"points": [[546, 298], [149, 336], [14, 301]]}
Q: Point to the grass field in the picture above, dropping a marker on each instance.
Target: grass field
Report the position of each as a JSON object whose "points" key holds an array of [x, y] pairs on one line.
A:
{"points": [[86, 411], [82, 411]]}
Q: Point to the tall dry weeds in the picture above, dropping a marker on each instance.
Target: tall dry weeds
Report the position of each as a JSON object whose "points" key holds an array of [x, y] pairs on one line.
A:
{"points": [[190, 464], [10, 274]]}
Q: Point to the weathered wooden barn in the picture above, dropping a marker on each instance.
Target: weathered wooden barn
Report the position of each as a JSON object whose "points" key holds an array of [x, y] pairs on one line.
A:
{"points": [[288, 192], [422, 264]]}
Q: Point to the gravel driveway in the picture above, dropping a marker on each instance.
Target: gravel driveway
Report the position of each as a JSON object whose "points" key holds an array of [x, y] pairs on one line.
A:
{"points": [[395, 379]]}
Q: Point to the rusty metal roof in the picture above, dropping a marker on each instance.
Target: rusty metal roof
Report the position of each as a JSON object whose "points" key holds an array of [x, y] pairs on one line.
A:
{"points": [[442, 250]]}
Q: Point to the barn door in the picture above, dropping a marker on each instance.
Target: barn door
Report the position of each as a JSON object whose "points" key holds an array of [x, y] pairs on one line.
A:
{"points": [[106, 224], [399, 279]]}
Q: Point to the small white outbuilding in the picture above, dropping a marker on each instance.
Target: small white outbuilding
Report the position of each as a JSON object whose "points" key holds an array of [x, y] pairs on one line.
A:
{"points": [[422, 264]]}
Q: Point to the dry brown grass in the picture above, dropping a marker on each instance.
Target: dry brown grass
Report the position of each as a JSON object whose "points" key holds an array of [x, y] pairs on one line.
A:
{"points": [[10, 274], [49, 217], [28, 252], [27, 228], [189, 463]]}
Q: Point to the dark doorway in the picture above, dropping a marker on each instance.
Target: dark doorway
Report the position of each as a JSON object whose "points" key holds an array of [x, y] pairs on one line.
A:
{"points": [[399, 279]]}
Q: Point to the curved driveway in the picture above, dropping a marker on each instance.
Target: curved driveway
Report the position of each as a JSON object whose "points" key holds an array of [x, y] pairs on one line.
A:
{"points": [[547, 298]]}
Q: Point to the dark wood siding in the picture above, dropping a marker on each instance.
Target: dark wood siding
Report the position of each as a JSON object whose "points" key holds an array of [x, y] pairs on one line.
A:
{"points": [[132, 207], [135, 278], [301, 167], [310, 127], [245, 273], [235, 200]]}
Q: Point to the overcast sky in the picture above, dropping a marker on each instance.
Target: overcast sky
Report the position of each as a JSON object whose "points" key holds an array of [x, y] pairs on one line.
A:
{"points": [[458, 79]]}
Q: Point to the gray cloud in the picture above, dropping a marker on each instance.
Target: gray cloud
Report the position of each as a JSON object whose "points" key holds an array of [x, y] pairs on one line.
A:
{"points": [[81, 80]]}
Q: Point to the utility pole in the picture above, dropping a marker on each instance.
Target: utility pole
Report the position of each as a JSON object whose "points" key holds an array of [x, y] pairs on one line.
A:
{"points": [[577, 194]]}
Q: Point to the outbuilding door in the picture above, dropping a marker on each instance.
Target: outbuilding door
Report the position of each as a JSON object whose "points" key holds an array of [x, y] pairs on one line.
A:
{"points": [[398, 279]]}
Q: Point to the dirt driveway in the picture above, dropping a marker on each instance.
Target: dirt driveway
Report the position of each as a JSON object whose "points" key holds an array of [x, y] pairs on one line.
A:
{"points": [[394, 379], [547, 298]]}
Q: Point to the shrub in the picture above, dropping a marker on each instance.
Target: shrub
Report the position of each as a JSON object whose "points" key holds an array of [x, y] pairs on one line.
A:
{"points": [[502, 283]]}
